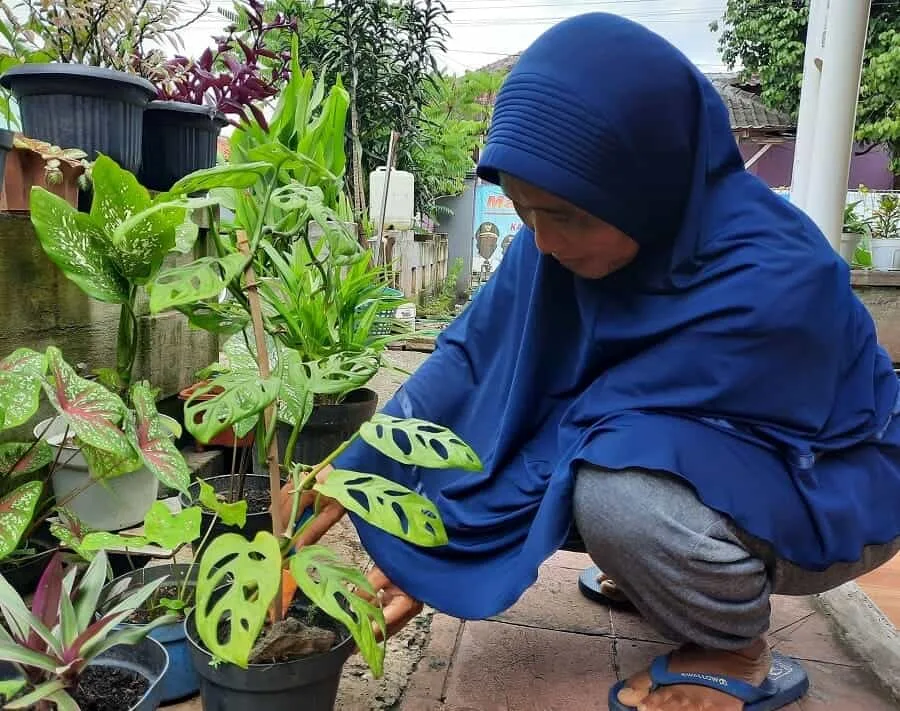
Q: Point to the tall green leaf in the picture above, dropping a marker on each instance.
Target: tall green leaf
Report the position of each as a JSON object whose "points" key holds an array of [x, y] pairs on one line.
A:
{"points": [[252, 572], [20, 386], [419, 443], [16, 512], [221, 176], [325, 580], [78, 246], [238, 396], [154, 440], [386, 505], [90, 410]]}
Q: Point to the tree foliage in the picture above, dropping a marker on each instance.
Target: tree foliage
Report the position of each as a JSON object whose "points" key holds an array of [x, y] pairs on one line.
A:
{"points": [[768, 39]]}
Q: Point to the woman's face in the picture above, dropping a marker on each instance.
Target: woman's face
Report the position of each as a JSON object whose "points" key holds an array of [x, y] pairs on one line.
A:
{"points": [[582, 243]]}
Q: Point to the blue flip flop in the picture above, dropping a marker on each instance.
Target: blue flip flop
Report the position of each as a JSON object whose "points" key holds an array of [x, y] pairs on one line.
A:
{"points": [[787, 682]]}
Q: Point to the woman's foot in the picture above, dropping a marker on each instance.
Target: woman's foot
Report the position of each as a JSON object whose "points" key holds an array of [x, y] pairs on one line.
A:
{"points": [[609, 588], [751, 665]]}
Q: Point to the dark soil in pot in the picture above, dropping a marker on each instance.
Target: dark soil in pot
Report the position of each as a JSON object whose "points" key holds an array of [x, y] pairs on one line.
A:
{"points": [[179, 138], [108, 689], [329, 426], [78, 106]]}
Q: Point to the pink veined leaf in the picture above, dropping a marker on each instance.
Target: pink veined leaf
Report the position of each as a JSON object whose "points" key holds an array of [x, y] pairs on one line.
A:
{"points": [[92, 411], [155, 442], [45, 605], [16, 513]]}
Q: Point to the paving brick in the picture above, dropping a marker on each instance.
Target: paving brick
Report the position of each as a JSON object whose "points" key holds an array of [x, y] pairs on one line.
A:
{"points": [[428, 680], [504, 667], [554, 603], [788, 611], [838, 688], [569, 559], [811, 639], [630, 625]]}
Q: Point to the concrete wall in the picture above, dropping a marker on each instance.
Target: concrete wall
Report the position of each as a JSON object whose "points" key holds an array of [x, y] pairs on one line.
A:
{"points": [[459, 228], [41, 307], [776, 166]]}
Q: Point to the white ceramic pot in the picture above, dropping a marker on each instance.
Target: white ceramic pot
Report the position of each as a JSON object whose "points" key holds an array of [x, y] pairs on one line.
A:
{"points": [[886, 254], [849, 242], [110, 505]]}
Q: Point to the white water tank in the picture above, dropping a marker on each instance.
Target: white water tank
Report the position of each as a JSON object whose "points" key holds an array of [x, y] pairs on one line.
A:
{"points": [[400, 207]]}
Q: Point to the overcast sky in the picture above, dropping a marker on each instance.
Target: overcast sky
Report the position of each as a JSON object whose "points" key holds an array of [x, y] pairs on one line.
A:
{"points": [[483, 31]]}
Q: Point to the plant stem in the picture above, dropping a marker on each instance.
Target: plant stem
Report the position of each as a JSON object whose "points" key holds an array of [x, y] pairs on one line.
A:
{"points": [[271, 412], [126, 339], [187, 575]]}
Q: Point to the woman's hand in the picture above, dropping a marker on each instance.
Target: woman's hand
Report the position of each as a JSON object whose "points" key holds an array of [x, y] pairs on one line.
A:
{"points": [[398, 607]]}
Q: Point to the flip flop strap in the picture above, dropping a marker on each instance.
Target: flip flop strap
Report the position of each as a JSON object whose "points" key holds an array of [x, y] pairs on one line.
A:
{"points": [[749, 694]]}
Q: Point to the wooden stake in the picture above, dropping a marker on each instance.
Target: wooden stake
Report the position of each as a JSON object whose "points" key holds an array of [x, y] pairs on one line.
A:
{"points": [[262, 360]]}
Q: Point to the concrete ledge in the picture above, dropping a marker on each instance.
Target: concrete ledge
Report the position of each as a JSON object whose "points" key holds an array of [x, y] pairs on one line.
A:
{"points": [[866, 630], [871, 277]]}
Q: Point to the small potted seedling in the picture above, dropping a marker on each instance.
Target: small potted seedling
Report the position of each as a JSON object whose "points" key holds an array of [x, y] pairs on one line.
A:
{"points": [[63, 656]]}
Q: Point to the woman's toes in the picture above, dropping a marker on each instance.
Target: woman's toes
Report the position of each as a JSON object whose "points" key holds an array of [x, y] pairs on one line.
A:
{"points": [[635, 690]]}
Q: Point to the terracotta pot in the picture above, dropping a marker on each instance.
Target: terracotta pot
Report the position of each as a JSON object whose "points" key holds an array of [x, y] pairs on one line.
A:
{"points": [[25, 169], [226, 438]]}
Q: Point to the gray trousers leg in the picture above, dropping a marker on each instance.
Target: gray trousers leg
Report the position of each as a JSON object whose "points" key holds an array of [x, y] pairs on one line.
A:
{"points": [[688, 569]]}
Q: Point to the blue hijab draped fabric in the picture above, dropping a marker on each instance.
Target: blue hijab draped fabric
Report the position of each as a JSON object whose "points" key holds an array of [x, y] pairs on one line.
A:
{"points": [[731, 352]]}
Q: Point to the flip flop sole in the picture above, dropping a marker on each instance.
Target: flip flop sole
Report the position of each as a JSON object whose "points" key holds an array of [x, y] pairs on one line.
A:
{"points": [[590, 588]]}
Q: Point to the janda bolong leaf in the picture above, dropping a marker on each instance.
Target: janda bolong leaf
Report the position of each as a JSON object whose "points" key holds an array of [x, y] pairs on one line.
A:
{"points": [[200, 280], [238, 397], [418, 443]]}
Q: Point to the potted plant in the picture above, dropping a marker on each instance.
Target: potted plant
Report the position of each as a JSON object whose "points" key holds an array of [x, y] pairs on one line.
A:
{"points": [[197, 97], [110, 253], [31, 163], [852, 233], [243, 659], [884, 227], [63, 656], [85, 94]]}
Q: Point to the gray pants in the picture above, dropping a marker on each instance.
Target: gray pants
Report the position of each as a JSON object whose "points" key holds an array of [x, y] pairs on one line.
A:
{"points": [[688, 569]]}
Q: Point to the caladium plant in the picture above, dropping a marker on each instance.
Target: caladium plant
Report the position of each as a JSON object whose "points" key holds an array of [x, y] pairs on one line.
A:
{"points": [[114, 439], [52, 643]]}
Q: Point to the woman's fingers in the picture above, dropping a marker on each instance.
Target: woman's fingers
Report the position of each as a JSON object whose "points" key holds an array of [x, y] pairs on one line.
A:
{"points": [[330, 513], [398, 607]]}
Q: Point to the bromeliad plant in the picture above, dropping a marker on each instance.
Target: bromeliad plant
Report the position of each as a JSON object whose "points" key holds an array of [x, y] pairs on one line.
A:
{"points": [[116, 249], [52, 643], [114, 439]]}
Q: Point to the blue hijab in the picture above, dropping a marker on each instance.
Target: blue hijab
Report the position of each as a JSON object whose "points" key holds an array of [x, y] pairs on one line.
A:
{"points": [[732, 352]]}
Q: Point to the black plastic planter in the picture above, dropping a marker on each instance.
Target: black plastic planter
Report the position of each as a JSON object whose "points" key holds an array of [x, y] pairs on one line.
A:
{"points": [[310, 683], [329, 426], [147, 658], [180, 680], [79, 106], [261, 521], [178, 139], [6, 145]]}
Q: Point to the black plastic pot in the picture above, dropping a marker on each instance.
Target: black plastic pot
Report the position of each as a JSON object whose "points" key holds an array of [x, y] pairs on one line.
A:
{"points": [[310, 683], [256, 522], [24, 573], [6, 145], [79, 106], [147, 658], [329, 426], [180, 680], [178, 139]]}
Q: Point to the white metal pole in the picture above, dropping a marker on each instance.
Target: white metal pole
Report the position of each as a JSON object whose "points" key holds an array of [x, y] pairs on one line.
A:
{"points": [[809, 99], [845, 42]]}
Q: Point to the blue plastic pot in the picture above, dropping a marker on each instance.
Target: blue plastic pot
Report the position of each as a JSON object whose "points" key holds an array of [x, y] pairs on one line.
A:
{"points": [[181, 680]]}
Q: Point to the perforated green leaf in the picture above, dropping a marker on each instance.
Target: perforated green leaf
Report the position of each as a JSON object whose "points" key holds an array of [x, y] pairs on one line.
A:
{"points": [[202, 279], [226, 319], [16, 512], [171, 530], [252, 573], [154, 440], [419, 443], [325, 580], [234, 514], [24, 457], [228, 175], [20, 386], [78, 246], [241, 396], [389, 506], [341, 372], [93, 413]]}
